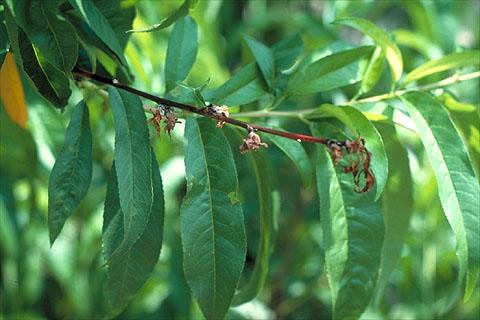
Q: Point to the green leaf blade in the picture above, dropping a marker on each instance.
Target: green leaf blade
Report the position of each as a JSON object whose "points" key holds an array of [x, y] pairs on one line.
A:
{"points": [[212, 227], [182, 11], [55, 88], [458, 188], [55, 38], [286, 52], [244, 87], [381, 38], [100, 25], [266, 189], [264, 57], [181, 52], [374, 70], [128, 272], [72, 172], [448, 62], [397, 203], [333, 71], [133, 164], [353, 231], [299, 157]]}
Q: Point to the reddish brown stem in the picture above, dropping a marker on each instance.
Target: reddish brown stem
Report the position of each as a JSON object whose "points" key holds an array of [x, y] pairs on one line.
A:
{"points": [[200, 111], [357, 167]]}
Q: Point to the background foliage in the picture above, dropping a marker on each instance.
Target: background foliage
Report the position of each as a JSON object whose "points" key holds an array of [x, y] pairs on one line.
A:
{"points": [[70, 279]]}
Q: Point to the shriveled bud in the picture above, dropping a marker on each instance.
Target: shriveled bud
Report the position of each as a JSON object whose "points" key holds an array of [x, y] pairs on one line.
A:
{"points": [[170, 119], [156, 119], [252, 142]]}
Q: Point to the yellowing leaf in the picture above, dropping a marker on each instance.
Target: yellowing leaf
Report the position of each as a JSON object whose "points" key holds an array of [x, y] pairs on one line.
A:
{"points": [[11, 91]]}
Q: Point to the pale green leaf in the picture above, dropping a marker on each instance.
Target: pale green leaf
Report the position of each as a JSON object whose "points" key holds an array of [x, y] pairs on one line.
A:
{"points": [[182, 11], [212, 227], [448, 62], [72, 172], [457, 186], [382, 39], [374, 70], [181, 52], [353, 230]]}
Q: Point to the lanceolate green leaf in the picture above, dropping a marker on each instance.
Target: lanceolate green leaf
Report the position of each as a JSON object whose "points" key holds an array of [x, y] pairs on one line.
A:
{"points": [[374, 70], [264, 57], [54, 38], [212, 227], [72, 172], [382, 39], [397, 203], [55, 88], [333, 71], [360, 126], [448, 62], [457, 186], [182, 11], [244, 87], [133, 163], [267, 229], [286, 52], [100, 25], [181, 52], [128, 272], [466, 118], [297, 154], [353, 230]]}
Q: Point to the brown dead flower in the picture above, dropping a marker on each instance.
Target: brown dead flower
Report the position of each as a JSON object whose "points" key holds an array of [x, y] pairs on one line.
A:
{"points": [[359, 158], [170, 119], [252, 142]]}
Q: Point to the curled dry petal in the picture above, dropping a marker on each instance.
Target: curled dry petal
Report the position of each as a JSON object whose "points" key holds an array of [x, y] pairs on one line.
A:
{"points": [[156, 119], [252, 142], [359, 158]]}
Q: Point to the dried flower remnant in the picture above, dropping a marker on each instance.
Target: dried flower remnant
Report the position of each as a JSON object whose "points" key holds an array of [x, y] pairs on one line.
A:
{"points": [[252, 142], [359, 158], [156, 119], [170, 119], [163, 112], [219, 111]]}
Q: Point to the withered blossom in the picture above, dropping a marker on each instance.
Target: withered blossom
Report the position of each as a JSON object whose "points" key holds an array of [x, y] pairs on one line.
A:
{"points": [[167, 114], [359, 158], [252, 142]]}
